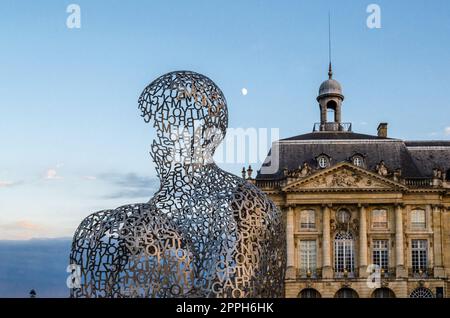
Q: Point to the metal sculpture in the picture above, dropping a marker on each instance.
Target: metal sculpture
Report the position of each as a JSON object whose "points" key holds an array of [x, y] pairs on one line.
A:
{"points": [[205, 233]]}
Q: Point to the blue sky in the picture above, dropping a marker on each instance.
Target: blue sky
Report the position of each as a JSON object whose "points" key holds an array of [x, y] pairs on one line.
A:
{"points": [[72, 141]]}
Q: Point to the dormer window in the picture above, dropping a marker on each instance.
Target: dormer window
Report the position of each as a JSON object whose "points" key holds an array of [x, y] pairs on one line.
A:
{"points": [[323, 161], [358, 161]]}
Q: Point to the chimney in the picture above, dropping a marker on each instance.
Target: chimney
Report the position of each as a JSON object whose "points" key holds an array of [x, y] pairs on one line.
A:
{"points": [[382, 130]]}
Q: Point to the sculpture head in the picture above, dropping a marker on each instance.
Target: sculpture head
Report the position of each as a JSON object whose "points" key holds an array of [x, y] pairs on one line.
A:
{"points": [[189, 113]]}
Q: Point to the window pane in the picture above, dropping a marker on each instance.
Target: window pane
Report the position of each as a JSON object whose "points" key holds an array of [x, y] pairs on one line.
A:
{"points": [[418, 219], [308, 255], [343, 253], [380, 254], [419, 249], [379, 218], [307, 219]]}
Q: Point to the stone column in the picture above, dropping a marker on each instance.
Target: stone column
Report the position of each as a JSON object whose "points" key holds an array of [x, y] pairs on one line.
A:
{"points": [[437, 243], [362, 242], [337, 113], [290, 246], [399, 247], [327, 271]]}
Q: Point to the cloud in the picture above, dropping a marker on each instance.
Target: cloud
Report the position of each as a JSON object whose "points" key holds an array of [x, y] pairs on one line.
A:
{"points": [[130, 185], [7, 184], [22, 229], [28, 225], [447, 131], [134, 193], [89, 178], [128, 179]]}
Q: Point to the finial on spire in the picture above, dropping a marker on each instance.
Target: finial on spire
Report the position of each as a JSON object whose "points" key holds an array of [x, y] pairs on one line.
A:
{"points": [[330, 71]]}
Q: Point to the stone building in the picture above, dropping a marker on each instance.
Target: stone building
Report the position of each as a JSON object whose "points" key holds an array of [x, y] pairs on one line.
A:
{"points": [[366, 215]]}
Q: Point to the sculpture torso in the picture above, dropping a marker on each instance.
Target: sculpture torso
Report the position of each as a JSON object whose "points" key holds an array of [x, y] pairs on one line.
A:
{"points": [[205, 233]]}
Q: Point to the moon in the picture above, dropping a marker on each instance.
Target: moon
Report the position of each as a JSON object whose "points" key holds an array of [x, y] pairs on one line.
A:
{"points": [[244, 91]]}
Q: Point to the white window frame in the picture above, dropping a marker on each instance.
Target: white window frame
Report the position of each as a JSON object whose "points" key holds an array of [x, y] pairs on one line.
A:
{"points": [[307, 255], [418, 220], [380, 253], [323, 161], [356, 159], [307, 219], [377, 224], [419, 255], [344, 254]]}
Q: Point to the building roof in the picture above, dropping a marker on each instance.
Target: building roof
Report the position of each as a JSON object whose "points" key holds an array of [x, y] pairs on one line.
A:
{"points": [[431, 154], [330, 86], [416, 159], [333, 135]]}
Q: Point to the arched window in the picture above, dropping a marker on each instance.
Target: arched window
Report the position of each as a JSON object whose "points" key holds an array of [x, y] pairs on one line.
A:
{"points": [[331, 111], [307, 219], [383, 293], [344, 255], [421, 292], [346, 293], [418, 219], [309, 293], [379, 219]]}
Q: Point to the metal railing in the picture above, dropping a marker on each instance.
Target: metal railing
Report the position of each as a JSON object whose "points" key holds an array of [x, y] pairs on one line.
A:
{"points": [[332, 127], [303, 273], [346, 273], [387, 272], [421, 272]]}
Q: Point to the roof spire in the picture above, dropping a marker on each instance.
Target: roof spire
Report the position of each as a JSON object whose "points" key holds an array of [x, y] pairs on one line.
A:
{"points": [[330, 71]]}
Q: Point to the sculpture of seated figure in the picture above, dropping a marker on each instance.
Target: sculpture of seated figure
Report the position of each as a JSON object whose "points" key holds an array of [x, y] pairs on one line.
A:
{"points": [[382, 169], [205, 233], [305, 169]]}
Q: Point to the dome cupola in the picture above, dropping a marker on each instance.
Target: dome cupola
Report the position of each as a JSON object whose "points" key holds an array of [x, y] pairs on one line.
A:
{"points": [[330, 98]]}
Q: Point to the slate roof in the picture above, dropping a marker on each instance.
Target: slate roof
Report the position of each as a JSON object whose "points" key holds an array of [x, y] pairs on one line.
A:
{"points": [[333, 135], [416, 159], [428, 155]]}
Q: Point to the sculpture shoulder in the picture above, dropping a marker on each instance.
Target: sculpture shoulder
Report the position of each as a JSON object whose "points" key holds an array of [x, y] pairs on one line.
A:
{"points": [[250, 193], [109, 222], [125, 222], [92, 223], [248, 199]]}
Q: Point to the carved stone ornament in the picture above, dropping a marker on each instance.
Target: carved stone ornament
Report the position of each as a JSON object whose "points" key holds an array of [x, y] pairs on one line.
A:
{"points": [[344, 178]]}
